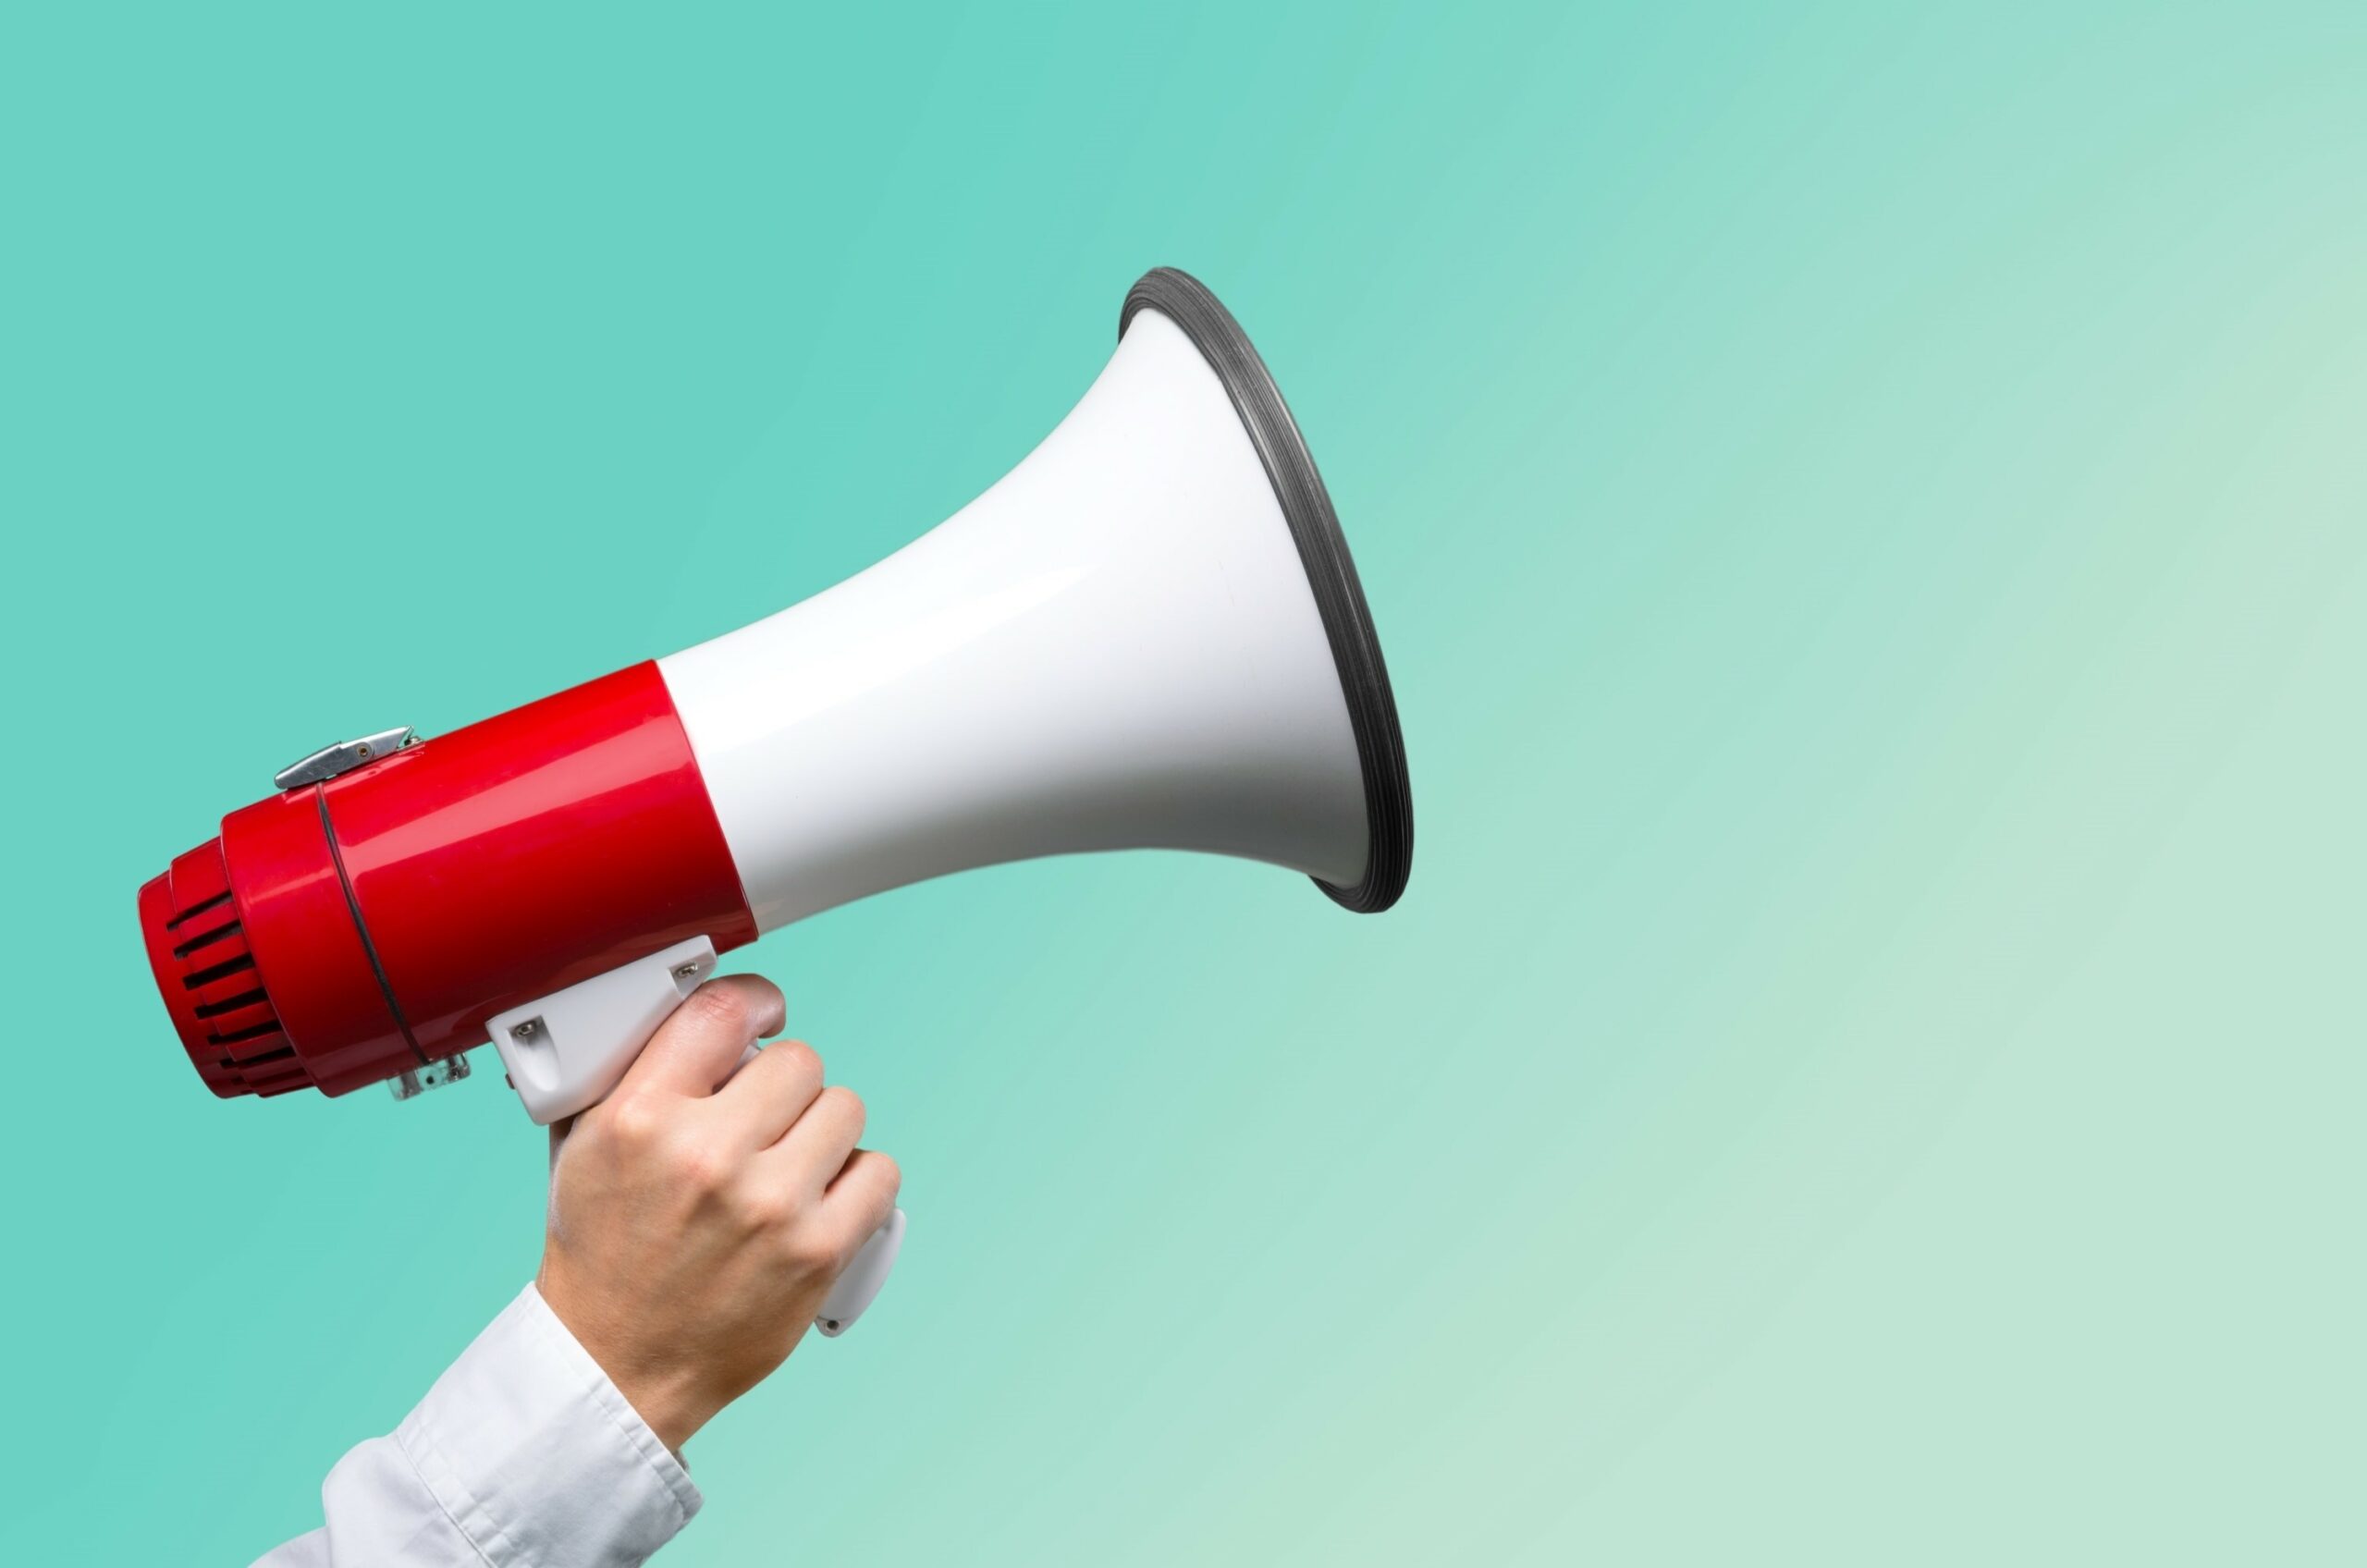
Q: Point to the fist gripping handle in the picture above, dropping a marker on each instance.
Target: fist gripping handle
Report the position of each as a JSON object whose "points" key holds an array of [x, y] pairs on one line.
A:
{"points": [[566, 1051]]}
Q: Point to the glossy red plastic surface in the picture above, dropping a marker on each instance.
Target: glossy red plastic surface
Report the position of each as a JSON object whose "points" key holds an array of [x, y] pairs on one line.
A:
{"points": [[495, 865], [489, 866], [300, 929], [191, 928]]}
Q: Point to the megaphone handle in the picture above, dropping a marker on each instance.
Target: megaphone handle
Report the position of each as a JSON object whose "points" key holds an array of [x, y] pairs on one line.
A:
{"points": [[564, 1052]]}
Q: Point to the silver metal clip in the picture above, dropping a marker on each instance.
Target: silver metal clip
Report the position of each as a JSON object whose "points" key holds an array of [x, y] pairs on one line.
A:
{"points": [[417, 1081], [343, 757]]}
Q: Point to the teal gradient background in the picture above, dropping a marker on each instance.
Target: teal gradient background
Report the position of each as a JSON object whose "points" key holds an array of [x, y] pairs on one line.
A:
{"points": [[1867, 508]]}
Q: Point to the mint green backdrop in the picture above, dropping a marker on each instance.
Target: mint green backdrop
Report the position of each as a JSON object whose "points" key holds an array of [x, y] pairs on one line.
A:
{"points": [[1866, 506]]}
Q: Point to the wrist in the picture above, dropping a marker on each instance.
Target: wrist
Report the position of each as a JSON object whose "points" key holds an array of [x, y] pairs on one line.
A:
{"points": [[668, 1398], [668, 1406], [532, 1453]]}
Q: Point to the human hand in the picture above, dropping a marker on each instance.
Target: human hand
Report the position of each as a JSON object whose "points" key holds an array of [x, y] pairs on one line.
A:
{"points": [[694, 1230]]}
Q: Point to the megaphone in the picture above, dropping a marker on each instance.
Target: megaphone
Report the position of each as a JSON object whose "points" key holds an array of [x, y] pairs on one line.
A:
{"points": [[1148, 635]]}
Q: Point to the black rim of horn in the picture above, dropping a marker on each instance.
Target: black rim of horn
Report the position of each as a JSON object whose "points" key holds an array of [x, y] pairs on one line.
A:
{"points": [[1339, 597]]}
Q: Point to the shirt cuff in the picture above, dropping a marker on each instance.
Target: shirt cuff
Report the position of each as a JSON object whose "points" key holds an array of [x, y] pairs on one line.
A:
{"points": [[537, 1457]]}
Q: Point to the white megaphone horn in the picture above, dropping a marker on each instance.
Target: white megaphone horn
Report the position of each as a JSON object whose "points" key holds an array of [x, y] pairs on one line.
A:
{"points": [[1148, 635]]}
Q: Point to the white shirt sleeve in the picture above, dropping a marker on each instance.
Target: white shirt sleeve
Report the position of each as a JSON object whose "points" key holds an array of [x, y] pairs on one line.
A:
{"points": [[524, 1452]]}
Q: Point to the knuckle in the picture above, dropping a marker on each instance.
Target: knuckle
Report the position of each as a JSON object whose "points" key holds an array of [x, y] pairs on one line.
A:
{"points": [[763, 1208], [810, 1250], [633, 1122], [839, 1111], [796, 1061], [699, 1164]]}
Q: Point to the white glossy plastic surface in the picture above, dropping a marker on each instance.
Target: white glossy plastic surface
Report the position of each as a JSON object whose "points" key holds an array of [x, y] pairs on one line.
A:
{"points": [[860, 1281], [1115, 647], [577, 1043]]}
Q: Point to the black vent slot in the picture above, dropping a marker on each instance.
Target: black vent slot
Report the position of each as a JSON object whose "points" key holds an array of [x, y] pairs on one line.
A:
{"points": [[222, 970], [198, 908], [232, 1004], [207, 940]]}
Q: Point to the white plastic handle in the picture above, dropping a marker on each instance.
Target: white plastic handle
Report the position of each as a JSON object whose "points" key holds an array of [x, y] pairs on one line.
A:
{"points": [[566, 1051], [862, 1278]]}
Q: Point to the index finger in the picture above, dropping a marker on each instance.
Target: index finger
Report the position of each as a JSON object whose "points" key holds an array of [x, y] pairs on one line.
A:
{"points": [[697, 1048]]}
